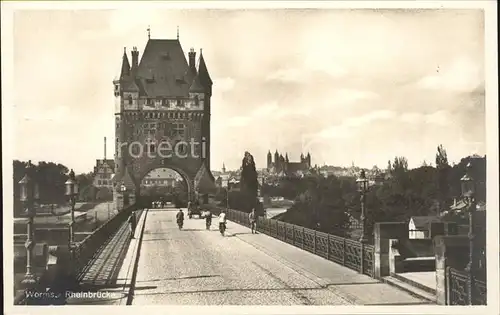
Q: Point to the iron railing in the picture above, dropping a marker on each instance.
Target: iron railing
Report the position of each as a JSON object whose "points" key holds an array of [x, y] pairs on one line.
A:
{"points": [[83, 252], [349, 253], [458, 288]]}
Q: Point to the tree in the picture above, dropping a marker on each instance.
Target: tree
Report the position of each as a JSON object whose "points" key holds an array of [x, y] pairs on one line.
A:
{"points": [[249, 182], [443, 169], [320, 206], [104, 194], [50, 178]]}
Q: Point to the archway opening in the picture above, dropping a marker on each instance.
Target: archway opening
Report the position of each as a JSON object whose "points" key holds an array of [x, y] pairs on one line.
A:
{"points": [[162, 188]]}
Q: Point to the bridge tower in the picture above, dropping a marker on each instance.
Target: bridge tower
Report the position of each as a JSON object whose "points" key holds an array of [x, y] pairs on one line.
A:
{"points": [[162, 118]]}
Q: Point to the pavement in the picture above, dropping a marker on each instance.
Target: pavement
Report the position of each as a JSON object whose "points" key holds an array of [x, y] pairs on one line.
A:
{"points": [[108, 280], [357, 288]]}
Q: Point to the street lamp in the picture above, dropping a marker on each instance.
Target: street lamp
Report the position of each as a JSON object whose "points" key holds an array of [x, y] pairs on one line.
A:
{"points": [[71, 192], [362, 184], [28, 194], [468, 194]]}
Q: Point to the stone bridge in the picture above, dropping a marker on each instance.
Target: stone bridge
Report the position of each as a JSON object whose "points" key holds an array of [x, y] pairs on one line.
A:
{"points": [[282, 264]]}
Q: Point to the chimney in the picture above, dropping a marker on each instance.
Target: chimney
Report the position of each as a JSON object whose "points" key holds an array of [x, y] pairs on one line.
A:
{"points": [[135, 60], [104, 148], [192, 60]]}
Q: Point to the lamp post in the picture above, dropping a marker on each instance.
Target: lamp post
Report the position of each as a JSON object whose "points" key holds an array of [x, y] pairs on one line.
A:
{"points": [[468, 194], [362, 184], [28, 194], [71, 192]]}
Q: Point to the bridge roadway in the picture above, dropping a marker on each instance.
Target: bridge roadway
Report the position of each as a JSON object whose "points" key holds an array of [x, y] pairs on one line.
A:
{"points": [[199, 267]]}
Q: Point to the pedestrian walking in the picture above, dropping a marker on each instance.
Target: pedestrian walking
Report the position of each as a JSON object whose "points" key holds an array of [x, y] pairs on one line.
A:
{"points": [[132, 223], [252, 217]]}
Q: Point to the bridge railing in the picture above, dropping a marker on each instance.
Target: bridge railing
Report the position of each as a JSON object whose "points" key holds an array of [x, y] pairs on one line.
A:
{"points": [[349, 253], [458, 288], [83, 252]]}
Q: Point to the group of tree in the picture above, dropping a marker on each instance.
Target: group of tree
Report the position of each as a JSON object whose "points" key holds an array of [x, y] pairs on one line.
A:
{"points": [[327, 204], [51, 178]]}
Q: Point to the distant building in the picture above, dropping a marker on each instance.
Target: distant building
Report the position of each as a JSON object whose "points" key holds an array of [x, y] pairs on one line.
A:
{"points": [[282, 166], [223, 178], [104, 172], [419, 227], [161, 177]]}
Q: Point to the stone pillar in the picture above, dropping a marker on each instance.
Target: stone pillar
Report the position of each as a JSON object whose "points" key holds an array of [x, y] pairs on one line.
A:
{"points": [[449, 251], [383, 232]]}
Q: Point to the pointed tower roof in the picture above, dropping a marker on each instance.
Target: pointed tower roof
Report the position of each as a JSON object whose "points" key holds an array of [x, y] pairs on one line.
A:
{"points": [[127, 180], [125, 65], [196, 86], [203, 72], [132, 87], [269, 153]]}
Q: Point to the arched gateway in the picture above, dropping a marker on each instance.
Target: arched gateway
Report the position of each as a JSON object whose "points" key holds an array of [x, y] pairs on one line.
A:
{"points": [[162, 118]]}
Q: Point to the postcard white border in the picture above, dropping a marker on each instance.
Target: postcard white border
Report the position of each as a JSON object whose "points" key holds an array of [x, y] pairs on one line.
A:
{"points": [[8, 109]]}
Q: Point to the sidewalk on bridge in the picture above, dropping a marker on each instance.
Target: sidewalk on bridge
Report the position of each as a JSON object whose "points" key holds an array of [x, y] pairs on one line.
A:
{"points": [[111, 272], [357, 288]]}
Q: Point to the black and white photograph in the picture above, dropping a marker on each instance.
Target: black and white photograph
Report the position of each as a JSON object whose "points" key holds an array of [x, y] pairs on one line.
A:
{"points": [[326, 155]]}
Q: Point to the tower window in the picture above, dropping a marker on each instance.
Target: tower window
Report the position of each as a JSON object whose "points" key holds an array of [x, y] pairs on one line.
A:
{"points": [[179, 102], [178, 129], [196, 100]]}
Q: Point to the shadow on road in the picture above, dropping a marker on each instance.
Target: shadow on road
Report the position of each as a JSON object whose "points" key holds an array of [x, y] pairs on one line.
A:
{"points": [[182, 278], [237, 290], [236, 234], [147, 287], [157, 239]]}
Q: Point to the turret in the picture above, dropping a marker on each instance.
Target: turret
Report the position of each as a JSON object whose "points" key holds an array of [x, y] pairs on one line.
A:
{"points": [[125, 72], [135, 61], [192, 60], [205, 79]]}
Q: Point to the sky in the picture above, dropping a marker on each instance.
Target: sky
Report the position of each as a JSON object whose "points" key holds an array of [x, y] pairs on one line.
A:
{"points": [[348, 86]]}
